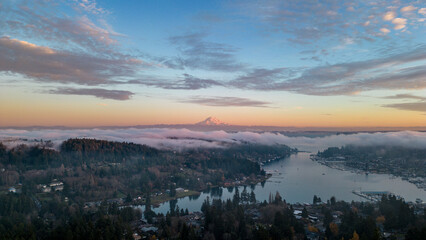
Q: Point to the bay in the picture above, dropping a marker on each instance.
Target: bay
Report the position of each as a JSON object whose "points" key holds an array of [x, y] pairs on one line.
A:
{"points": [[297, 178]]}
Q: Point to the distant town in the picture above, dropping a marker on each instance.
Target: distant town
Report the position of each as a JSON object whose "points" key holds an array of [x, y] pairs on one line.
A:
{"points": [[404, 162]]}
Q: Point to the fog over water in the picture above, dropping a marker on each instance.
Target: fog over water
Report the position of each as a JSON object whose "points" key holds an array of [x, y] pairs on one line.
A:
{"points": [[180, 139]]}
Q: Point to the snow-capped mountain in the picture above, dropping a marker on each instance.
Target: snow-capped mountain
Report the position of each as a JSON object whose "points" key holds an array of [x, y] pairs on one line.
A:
{"points": [[211, 121]]}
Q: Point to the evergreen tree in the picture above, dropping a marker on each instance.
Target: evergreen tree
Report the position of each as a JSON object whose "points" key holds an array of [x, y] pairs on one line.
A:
{"points": [[252, 198], [333, 201], [278, 198], [244, 195], [328, 218], [172, 190], [236, 198], [305, 213], [128, 198]]}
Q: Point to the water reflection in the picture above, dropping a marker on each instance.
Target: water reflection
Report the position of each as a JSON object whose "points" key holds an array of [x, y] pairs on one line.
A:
{"points": [[216, 192], [298, 179], [193, 197]]}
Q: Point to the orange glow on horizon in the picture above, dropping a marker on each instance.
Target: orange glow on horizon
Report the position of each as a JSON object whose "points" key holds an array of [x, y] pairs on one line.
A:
{"points": [[52, 110]]}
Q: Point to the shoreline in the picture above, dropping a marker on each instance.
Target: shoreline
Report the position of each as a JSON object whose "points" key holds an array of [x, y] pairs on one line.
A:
{"points": [[158, 202], [164, 197], [343, 167]]}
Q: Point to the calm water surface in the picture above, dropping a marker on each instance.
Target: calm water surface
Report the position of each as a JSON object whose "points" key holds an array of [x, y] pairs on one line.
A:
{"points": [[298, 179]]}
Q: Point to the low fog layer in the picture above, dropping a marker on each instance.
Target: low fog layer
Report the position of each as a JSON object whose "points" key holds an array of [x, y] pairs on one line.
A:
{"points": [[178, 139]]}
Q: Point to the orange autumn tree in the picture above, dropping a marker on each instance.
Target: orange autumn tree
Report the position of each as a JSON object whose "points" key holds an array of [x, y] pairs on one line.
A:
{"points": [[334, 228], [355, 236]]}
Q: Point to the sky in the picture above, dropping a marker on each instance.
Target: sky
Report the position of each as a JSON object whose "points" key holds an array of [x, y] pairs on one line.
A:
{"points": [[83, 63]]}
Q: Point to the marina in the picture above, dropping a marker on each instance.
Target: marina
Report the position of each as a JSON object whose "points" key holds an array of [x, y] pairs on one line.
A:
{"points": [[374, 196]]}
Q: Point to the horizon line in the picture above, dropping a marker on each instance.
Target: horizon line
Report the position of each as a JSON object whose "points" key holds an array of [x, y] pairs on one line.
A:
{"points": [[224, 127]]}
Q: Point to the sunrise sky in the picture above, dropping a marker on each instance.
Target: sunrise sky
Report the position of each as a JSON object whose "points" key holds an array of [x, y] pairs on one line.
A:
{"points": [[299, 63]]}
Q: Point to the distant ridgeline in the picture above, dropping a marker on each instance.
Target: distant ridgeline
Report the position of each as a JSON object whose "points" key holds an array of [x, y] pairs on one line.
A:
{"points": [[81, 150], [105, 150], [73, 152]]}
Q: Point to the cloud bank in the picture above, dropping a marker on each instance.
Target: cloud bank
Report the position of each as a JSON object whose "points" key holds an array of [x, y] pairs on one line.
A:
{"points": [[97, 92], [389, 72], [411, 106], [419, 106], [226, 102], [186, 82], [180, 139], [50, 65]]}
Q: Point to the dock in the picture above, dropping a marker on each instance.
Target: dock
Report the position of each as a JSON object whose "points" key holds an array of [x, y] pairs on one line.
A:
{"points": [[374, 196]]}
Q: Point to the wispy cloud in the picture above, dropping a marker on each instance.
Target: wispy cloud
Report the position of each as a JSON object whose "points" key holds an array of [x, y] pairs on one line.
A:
{"points": [[97, 92], [385, 30], [405, 96], [198, 53], [388, 16], [410, 106], [403, 70], [408, 8], [40, 20], [50, 65], [388, 72], [79, 48], [90, 6], [186, 82], [226, 102], [264, 79], [307, 22], [399, 23]]}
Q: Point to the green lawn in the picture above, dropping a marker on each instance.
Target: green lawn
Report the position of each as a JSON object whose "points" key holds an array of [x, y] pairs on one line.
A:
{"points": [[166, 197]]}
